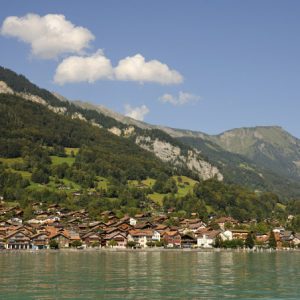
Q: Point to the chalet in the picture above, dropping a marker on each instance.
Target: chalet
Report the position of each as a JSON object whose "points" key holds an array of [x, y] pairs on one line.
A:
{"points": [[262, 238], [296, 239], [132, 221], [226, 235], [226, 220], [61, 238], [144, 225], [239, 234], [124, 227], [172, 238], [144, 236], [73, 236], [188, 240], [206, 238], [119, 238], [91, 239], [18, 240], [40, 240], [162, 228]]}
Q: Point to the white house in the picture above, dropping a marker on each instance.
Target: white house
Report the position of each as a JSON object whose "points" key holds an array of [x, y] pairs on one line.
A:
{"points": [[207, 238], [142, 237], [226, 235], [132, 221]]}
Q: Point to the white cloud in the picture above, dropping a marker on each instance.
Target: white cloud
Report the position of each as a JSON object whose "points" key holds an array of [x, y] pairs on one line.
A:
{"points": [[181, 99], [84, 69], [97, 66], [135, 68], [49, 35], [137, 113]]}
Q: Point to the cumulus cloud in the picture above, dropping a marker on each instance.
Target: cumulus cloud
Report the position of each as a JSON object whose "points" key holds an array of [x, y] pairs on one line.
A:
{"points": [[97, 66], [49, 35], [181, 99], [137, 113], [84, 69], [135, 68]]}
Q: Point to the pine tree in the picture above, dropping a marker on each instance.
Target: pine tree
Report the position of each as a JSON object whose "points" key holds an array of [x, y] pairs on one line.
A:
{"points": [[249, 243], [272, 240]]}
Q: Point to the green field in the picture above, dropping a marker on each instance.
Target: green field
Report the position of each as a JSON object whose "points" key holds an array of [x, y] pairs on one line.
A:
{"points": [[185, 185], [56, 160], [11, 161], [70, 150]]}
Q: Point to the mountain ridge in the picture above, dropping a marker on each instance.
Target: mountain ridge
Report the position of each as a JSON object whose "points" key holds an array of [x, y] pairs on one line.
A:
{"points": [[202, 154], [166, 148]]}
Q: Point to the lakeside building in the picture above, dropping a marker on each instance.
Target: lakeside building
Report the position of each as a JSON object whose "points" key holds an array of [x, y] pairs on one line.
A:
{"points": [[63, 228]]}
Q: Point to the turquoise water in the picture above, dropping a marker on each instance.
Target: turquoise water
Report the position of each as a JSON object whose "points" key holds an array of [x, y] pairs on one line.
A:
{"points": [[149, 275]]}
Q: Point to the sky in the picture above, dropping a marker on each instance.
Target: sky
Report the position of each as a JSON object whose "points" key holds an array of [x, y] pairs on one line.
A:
{"points": [[208, 66]]}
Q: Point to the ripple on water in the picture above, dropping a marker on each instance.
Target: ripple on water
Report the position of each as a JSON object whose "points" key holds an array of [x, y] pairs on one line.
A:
{"points": [[147, 275]]}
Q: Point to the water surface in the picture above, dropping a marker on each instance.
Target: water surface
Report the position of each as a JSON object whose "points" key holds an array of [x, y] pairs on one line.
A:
{"points": [[149, 275]]}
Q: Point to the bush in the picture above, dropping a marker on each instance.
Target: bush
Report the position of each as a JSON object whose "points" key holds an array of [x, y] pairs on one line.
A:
{"points": [[76, 244], [53, 244], [131, 244], [150, 244], [95, 244]]}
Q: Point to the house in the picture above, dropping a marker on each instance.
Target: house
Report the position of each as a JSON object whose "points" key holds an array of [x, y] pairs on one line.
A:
{"points": [[91, 239], [188, 240], [226, 221], [172, 238], [226, 235], [143, 237], [119, 239], [239, 234], [40, 240], [296, 239], [18, 240], [144, 225], [61, 236], [132, 221], [279, 230], [162, 228], [206, 238], [262, 238]]}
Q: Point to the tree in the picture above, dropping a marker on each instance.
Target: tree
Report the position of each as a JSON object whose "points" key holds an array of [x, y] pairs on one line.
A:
{"points": [[160, 243], [218, 242], [250, 241], [95, 244], [40, 176], [150, 244], [112, 243], [53, 244], [76, 244], [131, 244], [28, 213], [272, 240]]}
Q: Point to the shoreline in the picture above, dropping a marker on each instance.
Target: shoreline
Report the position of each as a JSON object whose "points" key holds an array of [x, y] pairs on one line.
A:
{"points": [[149, 250]]}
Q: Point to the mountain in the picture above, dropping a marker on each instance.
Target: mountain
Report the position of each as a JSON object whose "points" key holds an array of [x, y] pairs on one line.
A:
{"points": [[271, 147], [183, 158], [261, 158]]}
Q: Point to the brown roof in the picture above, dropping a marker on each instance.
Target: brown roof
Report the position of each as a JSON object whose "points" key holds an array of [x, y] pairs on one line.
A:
{"points": [[145, 232]]}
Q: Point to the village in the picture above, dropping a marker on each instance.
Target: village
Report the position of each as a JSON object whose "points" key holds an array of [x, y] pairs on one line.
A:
{"points": [[59, 228]]}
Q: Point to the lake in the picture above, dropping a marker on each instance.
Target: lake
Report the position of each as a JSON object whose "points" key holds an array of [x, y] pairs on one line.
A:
{"points": [[149, 275]]}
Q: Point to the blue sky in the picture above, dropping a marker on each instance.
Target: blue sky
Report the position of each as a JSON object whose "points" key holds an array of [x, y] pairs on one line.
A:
{"points": [[229, 63]]}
